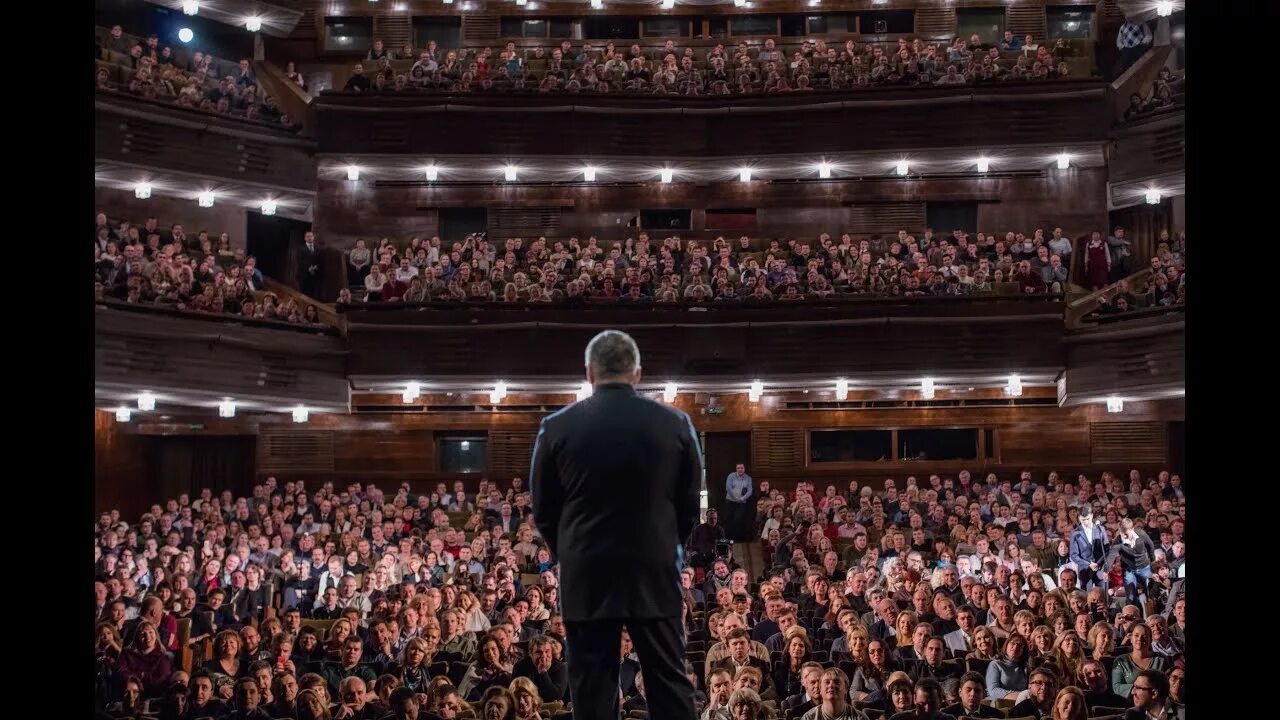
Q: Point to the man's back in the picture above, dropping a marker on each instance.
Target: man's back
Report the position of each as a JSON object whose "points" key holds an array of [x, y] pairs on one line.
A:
{"points": [[615, 482]]}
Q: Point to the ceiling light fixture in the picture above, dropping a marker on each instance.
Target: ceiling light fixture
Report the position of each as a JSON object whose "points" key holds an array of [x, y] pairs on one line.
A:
{"points": [[1064, 161], [353, 173], [123, 414], [744, 174], [824, 170], [185, 35], [433, 173], [669, 392], [142, 191], [1115, 404], [511, 172], [269, 207], [903, 168], [842, 389], [1153, 197], [757, 390], [1014, 386], [597, 4], [253, 23], [205, 199], [301, 414], [589, 173], [984, 164], [928, 388], [227, 408], [667, 175], [190, 7], [584, 390], [1164, 8], [146, 401]]}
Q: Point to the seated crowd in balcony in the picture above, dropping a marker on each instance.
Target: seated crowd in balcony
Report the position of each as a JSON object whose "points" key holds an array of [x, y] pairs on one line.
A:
{"points": [[960, 594], [1164, 286], [197, 81], [673, 270], [1166, 93], [159, 267], [740, 69]]}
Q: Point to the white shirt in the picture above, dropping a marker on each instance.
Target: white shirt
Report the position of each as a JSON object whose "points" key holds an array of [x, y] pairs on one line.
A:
{"points": [[405, 274]]}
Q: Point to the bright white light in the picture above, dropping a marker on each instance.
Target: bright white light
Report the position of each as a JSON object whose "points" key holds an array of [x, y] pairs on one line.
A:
{"points": [[465, 445], [522, 3], [500, 390], [668, 4], [927, 388], [448, 2], [669, 392], [584, 390], [842, 389], [185, 35], [824, 170], [756, 391], [1153, 197], [433, 173], [668, 174], [300, 414], [903, 168], [1064, 161], [353, 172], [744, 174], [142, 191], [984, 164], [407, 397], [253, 23], [123, 414], [1115, 405], [205, 199], [1164, 8], [1014, 387], [411, 392], [739, 3], [227, 408], [814, 3], [597, 4], [146, 401], [511, 172], [269, 207], [190, 7], [589, 173]]}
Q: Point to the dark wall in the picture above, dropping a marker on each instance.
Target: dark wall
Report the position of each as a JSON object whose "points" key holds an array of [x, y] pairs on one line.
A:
{"points": [[273, 240]]}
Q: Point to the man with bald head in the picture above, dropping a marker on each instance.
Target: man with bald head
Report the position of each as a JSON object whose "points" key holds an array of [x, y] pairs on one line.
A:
{"points": [[616, 480]]}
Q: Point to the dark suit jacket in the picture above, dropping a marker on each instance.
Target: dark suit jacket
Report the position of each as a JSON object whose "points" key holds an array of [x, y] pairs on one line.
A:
{"points": [[984, 711], [552, 685], [307, 258], [766, 675], [797, 705], [1082, 549], [615, 482]]}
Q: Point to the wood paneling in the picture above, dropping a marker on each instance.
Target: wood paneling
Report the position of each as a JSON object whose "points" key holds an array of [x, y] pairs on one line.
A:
{"points": [[120, 478], [1068, 111], [777, 448], [222, 217], [510, 452], [287, 449], [1128, 442], [384, 451]]}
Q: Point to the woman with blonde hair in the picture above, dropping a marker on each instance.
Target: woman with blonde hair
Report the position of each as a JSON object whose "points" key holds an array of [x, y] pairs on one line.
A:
{"points": [[1070, 704], [528, 700], [312, 706], [1068, 659], [1100, 640], [338, 633], [904, 626], [224, 668], [1041, 642]]}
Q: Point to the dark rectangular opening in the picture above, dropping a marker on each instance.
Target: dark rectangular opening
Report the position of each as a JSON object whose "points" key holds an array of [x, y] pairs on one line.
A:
{"points": [[445, 30], [561, 27], [524, 27], [891, 22], [666, 219], [753, 25], [850, 446], [461, 222], [1071, 22], [938, 444], [611, 28], [793, 25], [944, 217], [462, 452], [987, 23], [666, 27], [348, 34]]}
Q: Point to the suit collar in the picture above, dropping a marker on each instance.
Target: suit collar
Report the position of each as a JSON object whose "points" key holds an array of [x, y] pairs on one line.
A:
{"points": [[623, 387]]}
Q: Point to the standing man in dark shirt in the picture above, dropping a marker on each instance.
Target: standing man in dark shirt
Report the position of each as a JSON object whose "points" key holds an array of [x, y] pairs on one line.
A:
{"points": [[703, 540], [309, 264], [1135, 549], [616, 480]]}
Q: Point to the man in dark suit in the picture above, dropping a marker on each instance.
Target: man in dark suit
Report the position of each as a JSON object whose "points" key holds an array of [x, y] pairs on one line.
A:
{"points": [[616, 481], [309, 265], [1088, 550]]}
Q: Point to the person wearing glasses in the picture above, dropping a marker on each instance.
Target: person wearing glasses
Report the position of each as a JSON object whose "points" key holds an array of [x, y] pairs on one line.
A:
{"points": [[1042, 689], [1151, 699], [1127, 668]]}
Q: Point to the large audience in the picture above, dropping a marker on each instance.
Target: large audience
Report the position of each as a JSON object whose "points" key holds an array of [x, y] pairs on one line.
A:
{"points": [[675, 270], [152, 265], [1166, 93], [959, 595], [199, 81], [735, 70], [1165, 286]]}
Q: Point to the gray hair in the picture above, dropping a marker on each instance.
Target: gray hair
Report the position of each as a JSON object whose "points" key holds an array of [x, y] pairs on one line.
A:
{"points": [[744, 696], [613, 354]]}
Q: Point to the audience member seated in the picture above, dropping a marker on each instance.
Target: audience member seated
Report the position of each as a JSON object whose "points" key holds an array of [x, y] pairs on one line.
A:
{"points": [[673, 270], [1165, 286], [165, 268], [1166, 93], [737, 70], [971, 542], [144, 68]]}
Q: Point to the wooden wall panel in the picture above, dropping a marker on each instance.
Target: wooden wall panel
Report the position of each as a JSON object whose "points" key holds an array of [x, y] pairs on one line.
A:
{"points": [[384, 451], [222, 217], [120, 478]]}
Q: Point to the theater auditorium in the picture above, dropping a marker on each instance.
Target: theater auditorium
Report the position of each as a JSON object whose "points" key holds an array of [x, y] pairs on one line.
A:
{"points": [[914, 269]]}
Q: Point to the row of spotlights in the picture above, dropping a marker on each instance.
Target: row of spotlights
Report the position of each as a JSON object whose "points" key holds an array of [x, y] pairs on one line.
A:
{"points": [[902, 167], [147, 403], [206, 199], [928, 388]]}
